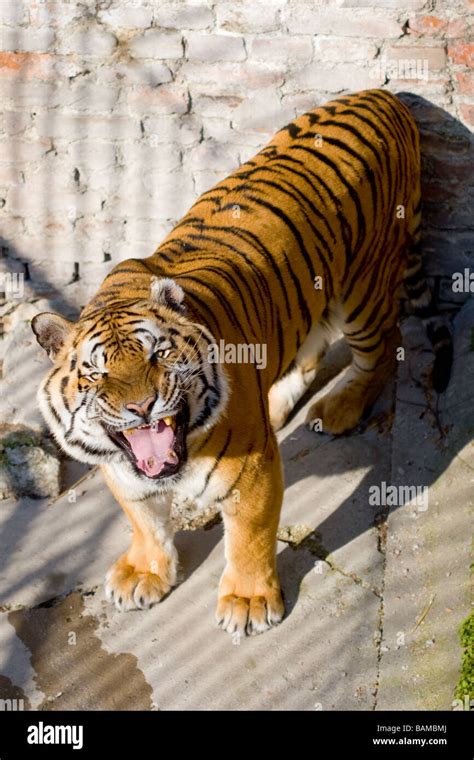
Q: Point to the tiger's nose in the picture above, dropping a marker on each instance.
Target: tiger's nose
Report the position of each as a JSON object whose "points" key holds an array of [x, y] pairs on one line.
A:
{"points": [[142, 407]]}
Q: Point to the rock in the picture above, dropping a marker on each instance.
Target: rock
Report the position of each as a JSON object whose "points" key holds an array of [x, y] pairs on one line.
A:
{"points": [[185, 515], [29, 463]]}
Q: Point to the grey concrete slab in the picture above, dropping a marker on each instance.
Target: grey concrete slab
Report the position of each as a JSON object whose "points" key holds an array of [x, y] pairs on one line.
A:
{"points": [[51, 547], [322, 657], [328, 477], [15, 666], [428, 550]]}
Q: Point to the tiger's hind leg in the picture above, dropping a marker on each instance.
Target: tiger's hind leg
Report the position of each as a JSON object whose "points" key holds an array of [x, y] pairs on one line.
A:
{"points": [[373, 341], [288, 390]]}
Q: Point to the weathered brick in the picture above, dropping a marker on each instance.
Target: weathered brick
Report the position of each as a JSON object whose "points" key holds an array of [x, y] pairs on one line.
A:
{"points": [[343, 49], [434, 56], [93, 274], [13, 14], [465, 82], [74, 127], [342, 78], [14, 122], [169, 128], [50, 225], [428, 25], [39, 270], [54, 13], [170, 16], [157, 44], [151, 230], [126, 249], [306, 19], [281, 49], [91, 163], [27, 65], [457, 27], [462, 53], [211, 106], [161, 129], [156, 100], [22, 151], [10, 174], [87, 39], [212, 156], [83, 95], [221, 130], [467, 114], [127, 17], [214, 47], [231, 78], [407, 5], [137, 72], [204, 180], [262, 113], [102, 229], [145, 158], [22, 200], [13, 228], [26, 40], [248, 17], [30, 95], [300, 102]]}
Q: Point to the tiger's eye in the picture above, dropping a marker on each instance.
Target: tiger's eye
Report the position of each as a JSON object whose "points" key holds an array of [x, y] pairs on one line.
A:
{"points": [[93, 377], [162, 353]]}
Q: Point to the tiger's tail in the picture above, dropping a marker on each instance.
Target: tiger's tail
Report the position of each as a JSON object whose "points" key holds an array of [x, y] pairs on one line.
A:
{"points": [[423, 304]]}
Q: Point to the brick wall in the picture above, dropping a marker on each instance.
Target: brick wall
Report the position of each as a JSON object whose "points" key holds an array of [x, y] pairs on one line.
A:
{"points": [[116, 115]]}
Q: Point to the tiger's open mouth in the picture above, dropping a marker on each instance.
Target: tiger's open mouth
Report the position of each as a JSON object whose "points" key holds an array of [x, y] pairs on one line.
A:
{"points": [[157, 449]]}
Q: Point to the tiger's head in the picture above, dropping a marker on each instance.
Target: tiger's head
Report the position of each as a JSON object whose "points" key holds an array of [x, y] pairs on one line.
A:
{"points": [[131, 382]]}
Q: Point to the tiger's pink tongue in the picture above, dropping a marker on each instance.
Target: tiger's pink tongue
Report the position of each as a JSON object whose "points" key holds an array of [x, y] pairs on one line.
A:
{"points": [[151, 447]]}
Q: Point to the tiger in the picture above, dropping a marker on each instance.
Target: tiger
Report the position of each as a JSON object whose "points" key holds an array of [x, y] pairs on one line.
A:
{"points": [[320, 230]]}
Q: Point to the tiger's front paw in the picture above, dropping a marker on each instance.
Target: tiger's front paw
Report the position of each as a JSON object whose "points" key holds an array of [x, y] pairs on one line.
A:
{"points": [[252, 614], [130, 588]]}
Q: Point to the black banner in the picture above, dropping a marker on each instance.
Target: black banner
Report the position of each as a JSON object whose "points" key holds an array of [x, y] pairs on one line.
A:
{"points": [[378, 734]]}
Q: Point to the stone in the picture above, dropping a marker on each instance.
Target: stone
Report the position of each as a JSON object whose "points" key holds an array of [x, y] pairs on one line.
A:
{"points": [[29, 463]]}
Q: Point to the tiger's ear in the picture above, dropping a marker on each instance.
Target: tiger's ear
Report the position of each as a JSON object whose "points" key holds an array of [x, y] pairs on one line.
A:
{"points": [[167, 292], [51, 331]]}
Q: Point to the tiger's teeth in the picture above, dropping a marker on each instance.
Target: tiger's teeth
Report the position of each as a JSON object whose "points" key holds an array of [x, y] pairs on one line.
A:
{"points": [[172, 456], [168, 420]]}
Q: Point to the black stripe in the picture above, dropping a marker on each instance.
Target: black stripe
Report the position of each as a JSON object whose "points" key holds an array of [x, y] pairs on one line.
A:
{"points": [[297, 235], [231, 488], [215, 465], [353, 195], [221, 273], [225, 305], [346, 232], [263, 250]]}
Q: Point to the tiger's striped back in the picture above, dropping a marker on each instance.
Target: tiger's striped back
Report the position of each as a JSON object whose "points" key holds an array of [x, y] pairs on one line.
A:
{"points": [[334, 195]]}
